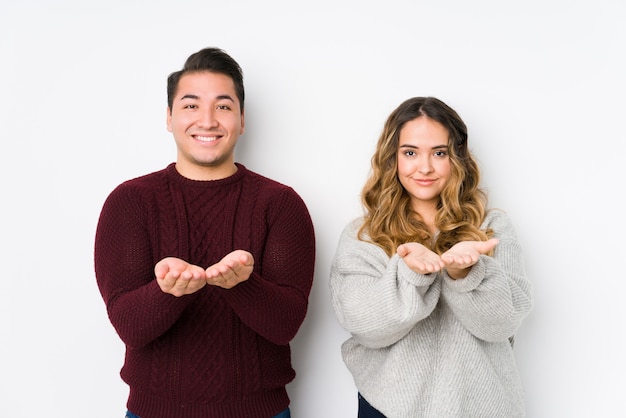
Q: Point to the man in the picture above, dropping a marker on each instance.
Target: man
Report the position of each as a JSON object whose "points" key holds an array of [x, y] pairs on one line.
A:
{"points": [[205, 267]]}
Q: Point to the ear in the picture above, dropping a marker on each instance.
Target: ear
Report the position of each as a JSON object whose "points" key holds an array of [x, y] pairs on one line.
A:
{"points": [[243, 124], [169, 119]]}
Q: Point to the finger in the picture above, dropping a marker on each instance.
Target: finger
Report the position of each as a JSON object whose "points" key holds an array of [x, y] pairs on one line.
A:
{"points": [[160, 270], [195, 285], [224, 269], [488, 245], [433, 267], [247, 259], [242, 257], [230, 265], [167, 282], [180, 287], [198, 274], [214, 271], [427, 266], [448, 258]]}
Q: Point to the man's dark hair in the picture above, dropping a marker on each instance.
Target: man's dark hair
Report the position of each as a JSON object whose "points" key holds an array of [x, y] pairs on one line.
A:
{"points": [[213, 60]]}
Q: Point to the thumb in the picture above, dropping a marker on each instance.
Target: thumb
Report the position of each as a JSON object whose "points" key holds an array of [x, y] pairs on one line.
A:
{"points": [[488, 245], [247, 259], [160, 269]]}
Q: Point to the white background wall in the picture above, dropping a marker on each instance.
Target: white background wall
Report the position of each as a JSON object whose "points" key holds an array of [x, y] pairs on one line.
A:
{"points": [[82, 108]]}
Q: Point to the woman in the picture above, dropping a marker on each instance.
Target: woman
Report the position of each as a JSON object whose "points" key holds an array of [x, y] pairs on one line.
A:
{"points": [[429, 282]]}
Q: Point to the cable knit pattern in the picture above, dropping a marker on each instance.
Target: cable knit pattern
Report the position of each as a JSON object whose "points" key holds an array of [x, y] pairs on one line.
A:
{"points": [[427, 345], [215, 353]]}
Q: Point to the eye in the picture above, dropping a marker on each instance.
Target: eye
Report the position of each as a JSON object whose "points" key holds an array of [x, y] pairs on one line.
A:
{"points": [[223, 107], [409, 153], [441, 153], [190, 106]]}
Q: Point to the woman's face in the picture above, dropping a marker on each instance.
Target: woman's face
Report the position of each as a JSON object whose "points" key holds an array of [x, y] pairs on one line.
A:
{"points": [[423, 162]]}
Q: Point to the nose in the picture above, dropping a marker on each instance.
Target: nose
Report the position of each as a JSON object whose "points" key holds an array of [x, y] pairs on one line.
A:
{"points": [[207, 119], [424, 165]]}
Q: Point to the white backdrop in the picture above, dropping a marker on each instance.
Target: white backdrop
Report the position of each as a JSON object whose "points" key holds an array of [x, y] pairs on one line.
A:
{"points": [[539, 83]]}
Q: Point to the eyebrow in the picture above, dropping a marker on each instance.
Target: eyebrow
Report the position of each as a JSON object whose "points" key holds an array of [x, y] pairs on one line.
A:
{"points": [[416, 147], [196, 97]]}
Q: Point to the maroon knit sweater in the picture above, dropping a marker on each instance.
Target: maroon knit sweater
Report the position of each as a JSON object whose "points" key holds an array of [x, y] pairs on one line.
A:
{"points": [[215, 353]]}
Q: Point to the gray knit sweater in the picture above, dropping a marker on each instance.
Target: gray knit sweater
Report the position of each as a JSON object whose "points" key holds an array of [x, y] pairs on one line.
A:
{"points": [[427, 345]]}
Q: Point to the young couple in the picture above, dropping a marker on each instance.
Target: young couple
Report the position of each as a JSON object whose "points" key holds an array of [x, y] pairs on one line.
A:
{"points": [[206, 267]]}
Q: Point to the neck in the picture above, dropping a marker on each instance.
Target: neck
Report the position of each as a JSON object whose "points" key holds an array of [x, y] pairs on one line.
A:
{"points": [[206, 173], [428, 214]]}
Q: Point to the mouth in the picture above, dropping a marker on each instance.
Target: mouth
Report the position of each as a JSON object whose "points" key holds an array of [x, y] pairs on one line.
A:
{"points": [[203, 138], [425, 182]]}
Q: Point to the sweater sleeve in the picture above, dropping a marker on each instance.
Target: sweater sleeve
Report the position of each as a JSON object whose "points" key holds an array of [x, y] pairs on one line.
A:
{"points": [[376, 298], [274, 300], [124, 265], [495, 297]]}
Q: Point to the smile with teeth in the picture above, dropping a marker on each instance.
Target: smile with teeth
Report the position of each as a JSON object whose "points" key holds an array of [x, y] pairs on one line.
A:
{"points": [[206, 138]]}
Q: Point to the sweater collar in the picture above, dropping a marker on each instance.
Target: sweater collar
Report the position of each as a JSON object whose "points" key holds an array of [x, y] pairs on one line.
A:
{"points": [[176, 177]]}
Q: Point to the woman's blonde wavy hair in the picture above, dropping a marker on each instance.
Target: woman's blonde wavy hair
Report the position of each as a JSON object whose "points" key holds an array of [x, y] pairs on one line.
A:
{"points": [[389, 218]]}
